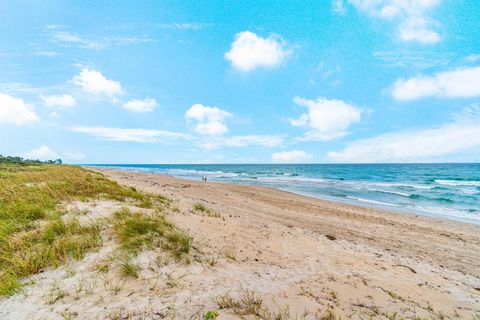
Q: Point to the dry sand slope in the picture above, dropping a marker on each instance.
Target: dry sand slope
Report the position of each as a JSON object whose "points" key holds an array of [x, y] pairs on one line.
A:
{"points": [[259, 253], [307, 256]]}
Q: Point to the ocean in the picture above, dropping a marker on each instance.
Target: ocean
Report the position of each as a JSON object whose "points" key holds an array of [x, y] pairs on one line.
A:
{"points": [[449, 191]]}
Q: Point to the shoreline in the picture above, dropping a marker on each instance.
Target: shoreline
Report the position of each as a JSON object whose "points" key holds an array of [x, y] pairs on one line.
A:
{"points": [[387, 207]]}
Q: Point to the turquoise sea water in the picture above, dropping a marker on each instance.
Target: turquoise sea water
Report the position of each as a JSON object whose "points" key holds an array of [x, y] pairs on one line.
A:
{"points": [[450, 191]]}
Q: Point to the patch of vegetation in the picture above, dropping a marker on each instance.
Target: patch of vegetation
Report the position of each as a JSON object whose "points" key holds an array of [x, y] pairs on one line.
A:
{"points": [[34, 250], [210, 315], [393, 295], [330, 315], [137, 229], [55, 294], [33, 234], [231, 254], [212, 260], [129, 267], [248, 303], [22, 161], [200, 208]]}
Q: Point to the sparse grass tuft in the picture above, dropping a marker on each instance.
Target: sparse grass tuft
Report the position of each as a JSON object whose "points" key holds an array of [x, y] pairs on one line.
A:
{"points": [[248, 303], [136, 230], [212, 260], [393, 295], [231, 254], [129, 267], [200, 208], [210, 315], [330, 315]]}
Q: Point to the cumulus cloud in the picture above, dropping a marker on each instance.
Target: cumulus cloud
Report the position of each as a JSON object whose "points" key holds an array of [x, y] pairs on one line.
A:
{"points": [[146, 105], [128, 135], [459, 83], [268, 141], [413, 146], [16, 111], [327, 119], [41, 153], [210, 120], [93, 81], [62, 101], [249, 51], [412, 16], [293, 156]]}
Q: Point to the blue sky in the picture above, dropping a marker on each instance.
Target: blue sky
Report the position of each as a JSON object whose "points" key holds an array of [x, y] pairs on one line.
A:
{"points": [[241, 81]]}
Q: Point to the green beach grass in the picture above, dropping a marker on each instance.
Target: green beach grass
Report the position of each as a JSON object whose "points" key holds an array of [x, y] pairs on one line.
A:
{"points": [[34, 234]]}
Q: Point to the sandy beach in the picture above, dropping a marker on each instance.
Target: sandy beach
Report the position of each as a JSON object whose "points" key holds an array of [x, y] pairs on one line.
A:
{"points": [[299, 257], [296, 251]]}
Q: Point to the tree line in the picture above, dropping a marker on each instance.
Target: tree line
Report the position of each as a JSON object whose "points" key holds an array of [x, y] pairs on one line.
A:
{"points": [[20, 160]]}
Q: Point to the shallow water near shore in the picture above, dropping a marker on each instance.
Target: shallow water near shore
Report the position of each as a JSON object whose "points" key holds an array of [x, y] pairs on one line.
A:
{"points": [[450, 191]]}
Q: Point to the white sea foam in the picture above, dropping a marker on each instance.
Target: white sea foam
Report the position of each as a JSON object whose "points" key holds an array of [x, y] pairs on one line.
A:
{"points": [[450, 213], [199, 173], [458, 183], [373, 201], [403, 194], [470, 191]]}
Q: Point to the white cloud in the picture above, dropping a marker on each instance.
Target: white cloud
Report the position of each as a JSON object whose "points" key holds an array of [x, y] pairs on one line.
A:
{"points": [[66, 37], [415, 59], [414, 22], [459, 83], [50, 54], [210, 119], [146, 105], [41, 153], [327, 119], [63, 101], [128, 135], [291, 156], [243, 141], [16, 111], [250, 51], [93, 81], [413, 146], [97, 43], [418, 29], [472, 58]]}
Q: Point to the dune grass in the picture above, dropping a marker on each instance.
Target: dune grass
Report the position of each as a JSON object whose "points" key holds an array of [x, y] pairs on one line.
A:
{"points": [[136, 230], [33, 234], [129, 267], [200, 208]]}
